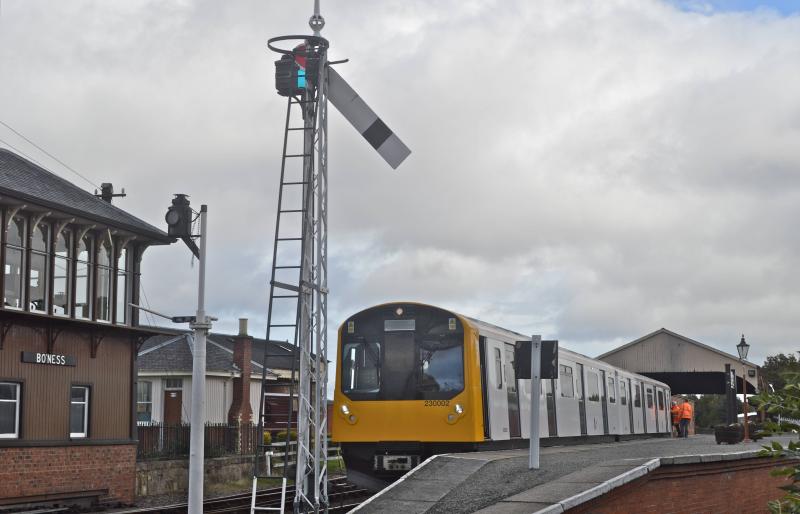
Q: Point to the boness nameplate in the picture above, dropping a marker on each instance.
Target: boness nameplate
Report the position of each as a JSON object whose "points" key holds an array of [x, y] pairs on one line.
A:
{"points": [[54, 359]]}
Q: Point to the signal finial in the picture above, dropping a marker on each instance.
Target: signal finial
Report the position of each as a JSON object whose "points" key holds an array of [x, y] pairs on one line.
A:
{"points": [[316, 22]]}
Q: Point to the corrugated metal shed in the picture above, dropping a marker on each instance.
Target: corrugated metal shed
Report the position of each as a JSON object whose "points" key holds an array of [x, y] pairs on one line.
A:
{"points": [[664, 351]]}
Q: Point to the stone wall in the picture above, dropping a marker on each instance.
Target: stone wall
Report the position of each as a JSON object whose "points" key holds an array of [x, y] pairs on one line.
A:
{"points": [[172, 476], [30, 472], [727, 486]]}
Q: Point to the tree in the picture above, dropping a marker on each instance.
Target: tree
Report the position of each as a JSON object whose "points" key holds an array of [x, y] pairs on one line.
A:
{"points": [[784, 402], [710, 410], [776, 365]]}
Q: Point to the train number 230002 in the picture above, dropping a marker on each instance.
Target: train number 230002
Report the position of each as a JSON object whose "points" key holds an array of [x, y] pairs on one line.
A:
{"points": [[437, 403]]}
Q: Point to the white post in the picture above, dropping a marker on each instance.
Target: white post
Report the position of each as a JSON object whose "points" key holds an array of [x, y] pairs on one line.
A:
{"points": [[536, 388], [200, 327]]}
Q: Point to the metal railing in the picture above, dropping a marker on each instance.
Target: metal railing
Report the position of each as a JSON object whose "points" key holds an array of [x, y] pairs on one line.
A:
{"points": [[160, 441]]}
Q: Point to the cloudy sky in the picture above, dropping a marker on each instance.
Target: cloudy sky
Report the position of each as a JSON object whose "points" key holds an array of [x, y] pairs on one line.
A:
{"points": [[588, 170]]}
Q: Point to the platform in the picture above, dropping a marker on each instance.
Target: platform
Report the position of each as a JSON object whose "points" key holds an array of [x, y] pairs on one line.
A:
{"points": [[501, 483]]}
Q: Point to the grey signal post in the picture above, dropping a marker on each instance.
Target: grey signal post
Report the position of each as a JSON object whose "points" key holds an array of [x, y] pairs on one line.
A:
{"points": [[536, 388], [311, 289]]}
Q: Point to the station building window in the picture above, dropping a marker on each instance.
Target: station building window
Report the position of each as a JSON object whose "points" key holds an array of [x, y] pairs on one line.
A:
{"points": [[103, 302], [144, 402], [14, 263], [63, 273], [9, 410], [567, 384], [123, 279], [79, 412], [83, 276], [40, 258]]}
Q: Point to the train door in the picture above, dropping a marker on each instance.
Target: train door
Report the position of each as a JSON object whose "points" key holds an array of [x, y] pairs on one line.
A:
{"points": [[581, 394], [624, 419], [613, 404], [630, 406], [496, 395], [651, 419], [604, 400], [552, 419], [524, 392], [594, 409], [567, 401], [484, 386], [511, 391], [662, 409]]}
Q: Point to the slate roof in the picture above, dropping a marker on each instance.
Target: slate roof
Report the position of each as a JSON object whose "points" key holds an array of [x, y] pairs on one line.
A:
{"points": [[279, 353], [173, 353], [26, 181]]}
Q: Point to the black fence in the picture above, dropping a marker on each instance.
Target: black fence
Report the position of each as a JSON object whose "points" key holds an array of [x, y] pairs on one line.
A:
{"points": [[159, 441]]}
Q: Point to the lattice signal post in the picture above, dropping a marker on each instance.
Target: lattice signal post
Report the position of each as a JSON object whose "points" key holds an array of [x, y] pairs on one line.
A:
{"points": [[300, 252]]}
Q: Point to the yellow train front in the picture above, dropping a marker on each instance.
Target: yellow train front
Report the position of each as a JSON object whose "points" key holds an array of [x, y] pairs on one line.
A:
{"points": [[408, 386]]}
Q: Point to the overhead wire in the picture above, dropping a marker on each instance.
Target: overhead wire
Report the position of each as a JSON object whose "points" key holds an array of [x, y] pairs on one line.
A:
{"points": [[67, 166]]}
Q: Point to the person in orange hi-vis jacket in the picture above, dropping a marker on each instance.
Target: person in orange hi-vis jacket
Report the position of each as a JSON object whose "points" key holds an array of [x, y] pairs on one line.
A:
{"points": [[676, 417], [687, 413]]}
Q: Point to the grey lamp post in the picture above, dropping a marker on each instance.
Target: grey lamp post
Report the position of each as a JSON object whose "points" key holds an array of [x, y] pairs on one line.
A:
{"points": [[742, 348]]}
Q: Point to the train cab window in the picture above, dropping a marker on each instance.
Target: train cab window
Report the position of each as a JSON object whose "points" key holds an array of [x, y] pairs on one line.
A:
{"points": [[660, 400], [498, 368], [593, 386], [567, 385], [649, 398], [9, 410], [612, 396], [361, 367], [623, 393], [442, 364]]}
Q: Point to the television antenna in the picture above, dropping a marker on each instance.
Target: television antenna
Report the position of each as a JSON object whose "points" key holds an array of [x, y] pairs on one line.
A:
{"points": [[299, 259]]}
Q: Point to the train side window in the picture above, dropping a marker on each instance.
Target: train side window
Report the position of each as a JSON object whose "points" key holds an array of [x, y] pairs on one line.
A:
{"points": [[567, 385], [660, 400], [612, 396], [649, 398], [637, 395], [498, 367], [623, 393], [593, 386]]}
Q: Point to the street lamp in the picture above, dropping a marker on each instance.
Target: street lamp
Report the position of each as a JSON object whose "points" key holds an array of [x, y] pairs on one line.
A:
{"points": [[742, 348]]}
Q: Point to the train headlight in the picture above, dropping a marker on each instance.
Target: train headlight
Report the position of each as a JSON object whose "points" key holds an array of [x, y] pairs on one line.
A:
{"points": [[459, 409], [345, 410]]}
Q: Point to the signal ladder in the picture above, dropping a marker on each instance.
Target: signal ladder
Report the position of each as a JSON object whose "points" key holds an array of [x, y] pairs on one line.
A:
{"points": [[297, 283]]}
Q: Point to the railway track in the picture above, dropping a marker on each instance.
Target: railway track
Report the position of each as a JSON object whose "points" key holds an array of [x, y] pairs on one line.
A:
{"points": [[342, 497]]}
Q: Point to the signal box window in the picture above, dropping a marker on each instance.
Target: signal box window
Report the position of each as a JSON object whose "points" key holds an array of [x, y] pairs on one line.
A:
{"points": [[361, 367], [79, 412], [14, 262], [9, 410], [567, 385], [593, 386]]}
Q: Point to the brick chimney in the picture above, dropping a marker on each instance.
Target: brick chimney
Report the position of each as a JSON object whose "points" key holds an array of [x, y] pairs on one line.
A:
{"points": [[241, 411]]}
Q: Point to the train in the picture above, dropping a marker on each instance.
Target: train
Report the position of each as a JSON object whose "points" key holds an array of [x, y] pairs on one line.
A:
{"points": [[415, 380]]}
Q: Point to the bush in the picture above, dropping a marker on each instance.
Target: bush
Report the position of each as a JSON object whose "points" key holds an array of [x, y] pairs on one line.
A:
{"points": [[281, 436], [267, 438], [785, 402]]}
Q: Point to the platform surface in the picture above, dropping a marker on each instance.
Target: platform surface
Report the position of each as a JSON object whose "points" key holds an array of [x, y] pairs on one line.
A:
{"points": [[500, 482]]}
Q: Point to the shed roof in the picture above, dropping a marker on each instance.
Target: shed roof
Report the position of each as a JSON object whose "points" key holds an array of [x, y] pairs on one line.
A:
{"points": [[23, 180], [679, 336]]}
